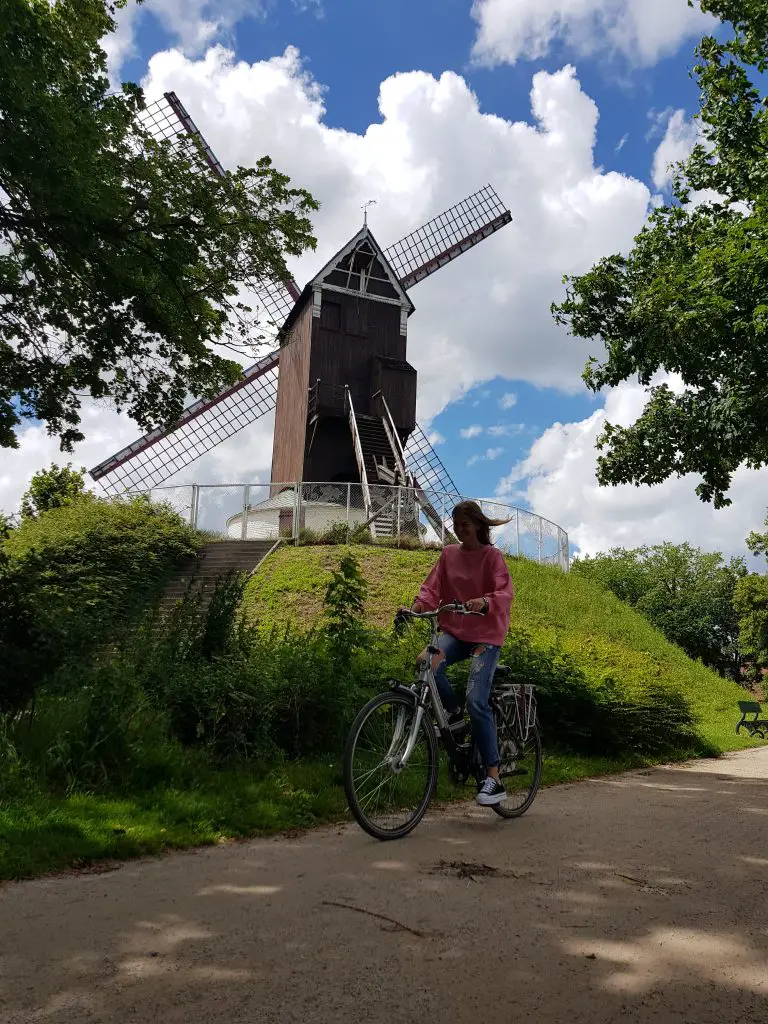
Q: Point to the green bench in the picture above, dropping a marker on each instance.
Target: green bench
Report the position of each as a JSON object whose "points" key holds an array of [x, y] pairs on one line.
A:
{"points": [[755, 724]]}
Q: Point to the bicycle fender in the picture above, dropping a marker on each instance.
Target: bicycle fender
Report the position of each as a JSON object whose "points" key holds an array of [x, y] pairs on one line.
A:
{"points": [[406, 691]]}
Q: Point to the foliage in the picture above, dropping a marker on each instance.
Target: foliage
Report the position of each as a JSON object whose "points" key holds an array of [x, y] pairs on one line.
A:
{"points": [[758, 542], [167, 738], [52, 488], [601, 637], [344, 608], [685, 592], [21, 643], [120, 255], [79, 576], [336, 533], [751, 605], [689, 298]]}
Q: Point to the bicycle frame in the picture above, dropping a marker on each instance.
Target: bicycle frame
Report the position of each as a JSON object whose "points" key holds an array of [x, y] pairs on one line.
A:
{"points": [[424, 693]]}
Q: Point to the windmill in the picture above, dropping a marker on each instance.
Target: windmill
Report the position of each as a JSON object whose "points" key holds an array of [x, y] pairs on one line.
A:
{"points": [[345, 394]]}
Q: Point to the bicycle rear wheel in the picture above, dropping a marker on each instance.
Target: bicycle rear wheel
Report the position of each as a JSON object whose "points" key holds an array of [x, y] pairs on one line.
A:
{"points": [[389, 800], [521, 782]]}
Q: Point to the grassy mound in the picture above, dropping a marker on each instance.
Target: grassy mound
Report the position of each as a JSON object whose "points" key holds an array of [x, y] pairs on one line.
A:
{"points": [[564, 618], [198, 731]]}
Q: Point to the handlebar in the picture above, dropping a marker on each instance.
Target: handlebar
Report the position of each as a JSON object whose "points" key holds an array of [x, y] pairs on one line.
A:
{"points": [[453, 606]]}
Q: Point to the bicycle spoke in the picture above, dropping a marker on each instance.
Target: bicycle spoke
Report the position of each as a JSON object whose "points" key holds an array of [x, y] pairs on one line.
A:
{"points": [[386, 794]]}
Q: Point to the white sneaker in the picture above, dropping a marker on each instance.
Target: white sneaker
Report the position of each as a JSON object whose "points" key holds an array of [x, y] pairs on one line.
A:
{"points": [[492, 792]]}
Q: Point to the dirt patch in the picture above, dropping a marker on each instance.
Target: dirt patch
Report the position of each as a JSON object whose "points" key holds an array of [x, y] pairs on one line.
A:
{"points": [[472, 870]]}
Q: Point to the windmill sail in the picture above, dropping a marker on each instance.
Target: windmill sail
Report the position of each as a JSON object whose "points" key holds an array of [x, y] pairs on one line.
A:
{"points": [[160, 454], [447, 236], [203, 425], [167, 118], [425, 465]]}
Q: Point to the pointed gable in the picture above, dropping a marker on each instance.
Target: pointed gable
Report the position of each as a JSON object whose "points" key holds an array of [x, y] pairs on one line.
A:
{"points": [[361, 268]]}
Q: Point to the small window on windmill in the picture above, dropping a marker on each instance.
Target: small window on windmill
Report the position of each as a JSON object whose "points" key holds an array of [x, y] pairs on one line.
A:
{"points": [[330, 315]]}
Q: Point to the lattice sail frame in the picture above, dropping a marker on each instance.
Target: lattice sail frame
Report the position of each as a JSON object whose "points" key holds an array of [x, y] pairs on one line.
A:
{"points": [[167, 118], [447, 236], [160, 454], [425, 465]]}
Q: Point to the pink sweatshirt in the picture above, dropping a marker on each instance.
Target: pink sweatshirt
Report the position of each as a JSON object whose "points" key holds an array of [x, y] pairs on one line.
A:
{"points": [[463, 575]]}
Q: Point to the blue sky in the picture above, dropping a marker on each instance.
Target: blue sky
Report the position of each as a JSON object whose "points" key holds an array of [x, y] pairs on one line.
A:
{"points": [[351, 47], [417, 104]]}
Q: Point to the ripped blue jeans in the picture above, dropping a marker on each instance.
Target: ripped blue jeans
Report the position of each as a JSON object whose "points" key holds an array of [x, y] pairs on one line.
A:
{"points": [[481, 671]]}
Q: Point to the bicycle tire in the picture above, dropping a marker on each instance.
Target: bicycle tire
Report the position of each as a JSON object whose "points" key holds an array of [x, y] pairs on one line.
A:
{"points": [[515, 812], [358, 812]]}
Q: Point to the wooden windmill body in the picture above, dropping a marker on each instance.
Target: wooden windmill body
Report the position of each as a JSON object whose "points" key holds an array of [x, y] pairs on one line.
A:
{"points": [[345, 396], [344, 352]]}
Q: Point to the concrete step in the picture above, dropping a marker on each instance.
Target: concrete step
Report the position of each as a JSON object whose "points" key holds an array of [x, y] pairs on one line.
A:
{"points": [[199, 575]]}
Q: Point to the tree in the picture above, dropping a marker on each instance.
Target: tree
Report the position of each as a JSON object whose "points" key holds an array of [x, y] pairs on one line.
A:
{"points": [[7, 524], [120, 255], [751, 604], [690, 298], [683, 591], [52, 488]]}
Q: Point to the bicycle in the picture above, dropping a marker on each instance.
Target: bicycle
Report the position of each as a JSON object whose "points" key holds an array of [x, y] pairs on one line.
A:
{"points": [[410, 720]]}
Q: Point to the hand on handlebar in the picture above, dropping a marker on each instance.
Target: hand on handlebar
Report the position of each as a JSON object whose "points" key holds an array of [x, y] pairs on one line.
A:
{"points": [[477, 606]]}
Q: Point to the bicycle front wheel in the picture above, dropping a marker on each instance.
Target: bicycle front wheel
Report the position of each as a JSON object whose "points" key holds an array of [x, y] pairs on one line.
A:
{"points": [[388, 798]]}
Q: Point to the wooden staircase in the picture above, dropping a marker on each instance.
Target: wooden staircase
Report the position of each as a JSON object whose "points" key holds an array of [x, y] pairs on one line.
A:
{"points": [[198, 575]]}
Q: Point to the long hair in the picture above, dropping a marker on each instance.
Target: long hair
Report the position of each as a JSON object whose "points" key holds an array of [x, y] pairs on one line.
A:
{"points": [[472, 510]]}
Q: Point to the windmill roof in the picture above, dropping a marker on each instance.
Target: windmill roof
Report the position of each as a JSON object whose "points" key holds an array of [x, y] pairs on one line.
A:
{"points": [[364, 233]]}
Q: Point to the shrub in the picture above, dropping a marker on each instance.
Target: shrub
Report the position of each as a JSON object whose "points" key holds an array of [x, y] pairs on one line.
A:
{"points": [[344, 608], [599, 719], [86, 572], [21, 642]]}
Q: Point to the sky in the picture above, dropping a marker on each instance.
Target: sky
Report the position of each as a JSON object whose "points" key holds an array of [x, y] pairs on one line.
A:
{"points": [[573, 111]]}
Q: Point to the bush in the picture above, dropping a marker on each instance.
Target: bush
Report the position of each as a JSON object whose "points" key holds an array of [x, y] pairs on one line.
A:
{"points": [[200, 685], [599, 719], [84, 574], [21, 642], [341, 533]]}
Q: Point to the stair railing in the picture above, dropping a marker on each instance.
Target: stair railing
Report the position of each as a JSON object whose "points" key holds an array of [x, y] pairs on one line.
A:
{"points": [[358, 450], [394, 441]]}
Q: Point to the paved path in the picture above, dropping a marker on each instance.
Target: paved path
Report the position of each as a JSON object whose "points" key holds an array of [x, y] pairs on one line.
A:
{"points": [[639, 898]]}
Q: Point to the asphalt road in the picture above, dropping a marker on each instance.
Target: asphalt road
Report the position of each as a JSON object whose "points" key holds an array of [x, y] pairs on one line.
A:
{"points": [[640, 897]]}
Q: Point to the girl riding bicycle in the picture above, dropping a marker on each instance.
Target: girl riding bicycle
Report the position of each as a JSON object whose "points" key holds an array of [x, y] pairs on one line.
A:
{"points": [[473, 572]]}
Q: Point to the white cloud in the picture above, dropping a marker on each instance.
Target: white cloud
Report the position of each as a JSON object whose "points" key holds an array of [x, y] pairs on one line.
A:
{"points": [[191, 25], [680, 137], [622, 143], [435, 438], [489, 456], [486, 314], [508, 400], [640, 30], [120, 45], [506, 429], [558, 479], [474, 431], [431, 147]]}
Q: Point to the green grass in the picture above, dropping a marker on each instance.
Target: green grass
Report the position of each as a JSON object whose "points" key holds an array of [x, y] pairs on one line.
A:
{"points": [[46, 834], [605, 639]]}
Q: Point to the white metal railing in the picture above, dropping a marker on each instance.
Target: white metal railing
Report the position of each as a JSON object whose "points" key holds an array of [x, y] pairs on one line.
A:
{"points": [[343, 511], [394, 441], [358, 450]]}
